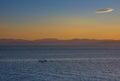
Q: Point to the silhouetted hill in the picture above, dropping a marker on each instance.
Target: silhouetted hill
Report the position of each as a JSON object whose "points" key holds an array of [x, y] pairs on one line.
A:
{"points": [[56, 42]]}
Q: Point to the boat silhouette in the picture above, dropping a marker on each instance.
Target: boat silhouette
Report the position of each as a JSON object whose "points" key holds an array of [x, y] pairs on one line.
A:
{"points": [[42, 61]]}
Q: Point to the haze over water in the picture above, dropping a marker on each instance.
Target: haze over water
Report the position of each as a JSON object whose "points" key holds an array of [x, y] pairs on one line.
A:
{"points": [[21, 63]]}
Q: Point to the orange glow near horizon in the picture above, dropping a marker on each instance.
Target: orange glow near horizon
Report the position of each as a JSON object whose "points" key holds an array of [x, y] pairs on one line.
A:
{"points": [[61, 29]]}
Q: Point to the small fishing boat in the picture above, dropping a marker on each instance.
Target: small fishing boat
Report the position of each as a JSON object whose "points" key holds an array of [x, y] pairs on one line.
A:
{"points": [[42, 61]]}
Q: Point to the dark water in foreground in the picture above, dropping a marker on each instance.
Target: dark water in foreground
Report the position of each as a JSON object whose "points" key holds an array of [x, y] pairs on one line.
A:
{"points": [[64, 63]]}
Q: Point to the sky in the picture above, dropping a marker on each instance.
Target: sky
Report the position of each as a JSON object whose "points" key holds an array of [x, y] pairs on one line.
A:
{"points": [[60, 19]]}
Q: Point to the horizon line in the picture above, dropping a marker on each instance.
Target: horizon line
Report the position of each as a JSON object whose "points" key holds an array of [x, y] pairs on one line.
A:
{"points": [[60, 39]]}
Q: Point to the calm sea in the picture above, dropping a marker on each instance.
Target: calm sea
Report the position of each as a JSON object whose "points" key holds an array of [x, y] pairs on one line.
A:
{"points": [[23, 63]]}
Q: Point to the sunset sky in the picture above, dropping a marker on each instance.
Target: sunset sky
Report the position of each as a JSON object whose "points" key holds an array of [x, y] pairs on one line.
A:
{"points": [[61, 19]]}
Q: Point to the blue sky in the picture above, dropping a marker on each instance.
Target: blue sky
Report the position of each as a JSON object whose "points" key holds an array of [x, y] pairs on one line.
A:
{"points": [[30, 9], [63, 19]]}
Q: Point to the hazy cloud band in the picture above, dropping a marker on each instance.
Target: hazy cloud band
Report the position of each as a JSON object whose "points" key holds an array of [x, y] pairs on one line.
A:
{"points": [[106, 10]]}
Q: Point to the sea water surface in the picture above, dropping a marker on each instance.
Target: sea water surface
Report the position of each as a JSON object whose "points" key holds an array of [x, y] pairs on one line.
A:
{"points": [[75, 63]]}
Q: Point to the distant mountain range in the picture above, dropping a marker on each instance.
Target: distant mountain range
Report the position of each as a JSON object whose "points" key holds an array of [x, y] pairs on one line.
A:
{"points": [[56, 42]]}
